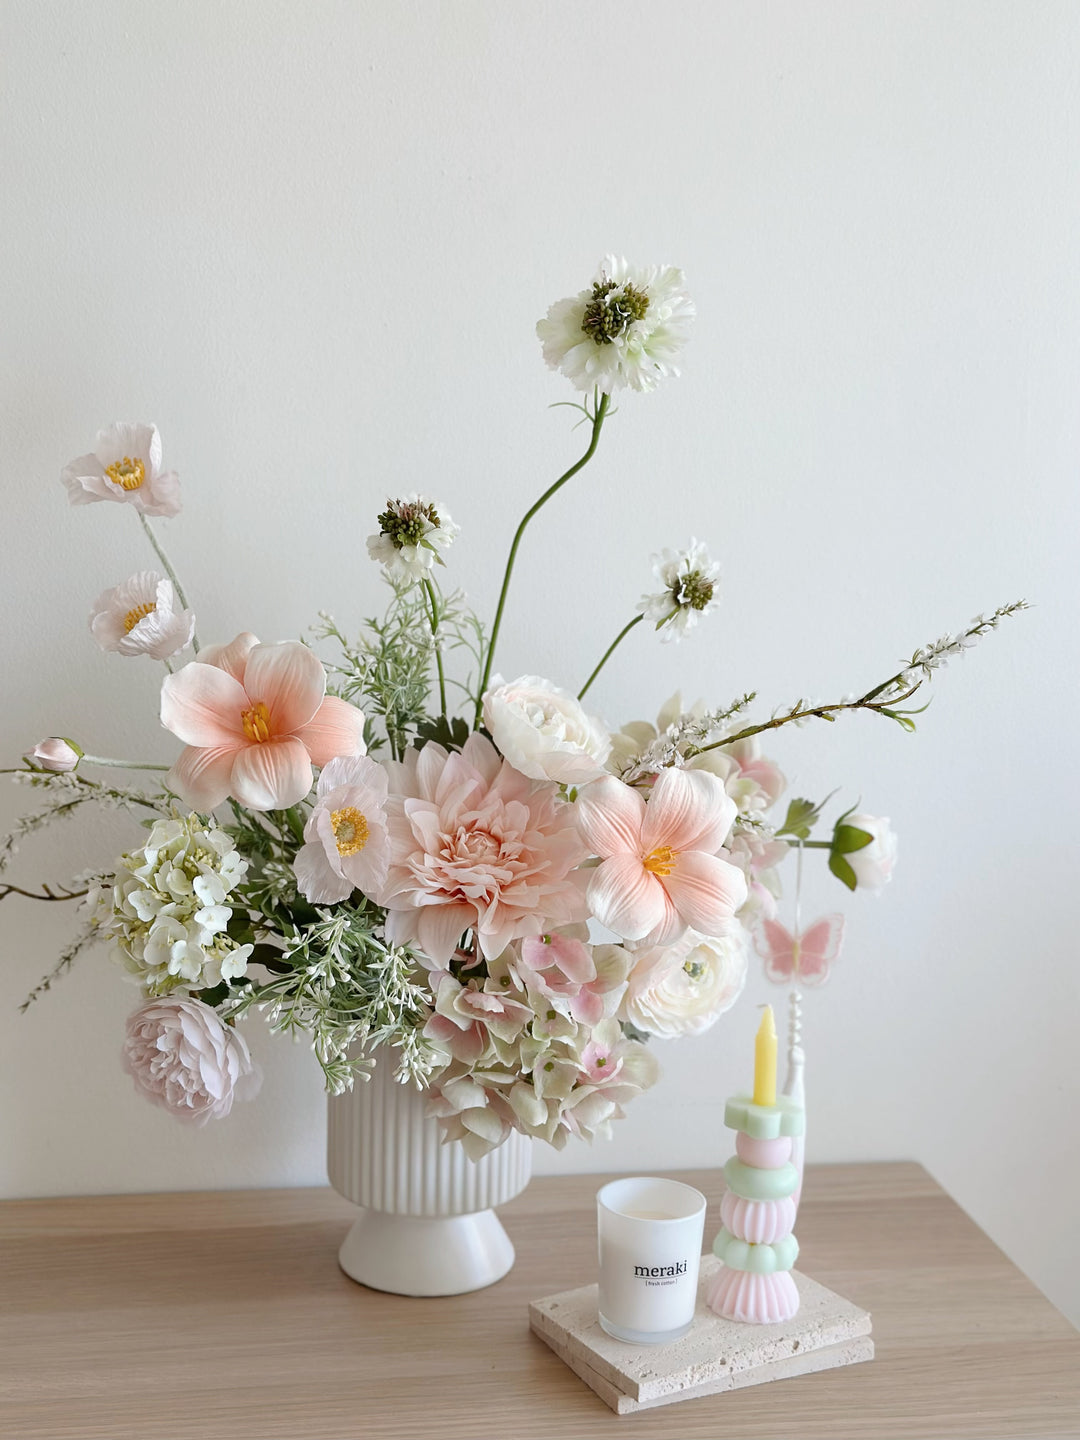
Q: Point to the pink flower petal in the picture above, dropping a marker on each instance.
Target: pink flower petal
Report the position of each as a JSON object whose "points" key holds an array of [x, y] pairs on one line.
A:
{"points": [[317, 878], [625, 897], [337, 730], [203, 706], [202, 777], [271, 776], [289, 680], [610, 816], [705, 890], [688, 810], [670, 928], [440, 928], [231, 658]]}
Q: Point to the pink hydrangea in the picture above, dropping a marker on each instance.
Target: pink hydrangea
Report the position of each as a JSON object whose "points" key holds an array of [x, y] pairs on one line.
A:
{"points": [[475, 845]]}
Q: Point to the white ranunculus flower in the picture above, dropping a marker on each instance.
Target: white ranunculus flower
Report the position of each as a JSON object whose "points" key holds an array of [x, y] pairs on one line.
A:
{"points": [[182, 1057], [544, 732], [874, 863], [683, 989], [626, 329], [142, 617], [412, 532], [688, 580]]}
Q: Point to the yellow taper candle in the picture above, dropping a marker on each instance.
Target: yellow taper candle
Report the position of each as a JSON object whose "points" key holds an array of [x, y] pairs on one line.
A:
{"points": [[765, 1060]]}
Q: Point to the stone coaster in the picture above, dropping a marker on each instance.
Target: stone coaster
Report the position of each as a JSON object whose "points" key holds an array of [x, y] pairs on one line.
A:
{"points": [[716, 1355]]}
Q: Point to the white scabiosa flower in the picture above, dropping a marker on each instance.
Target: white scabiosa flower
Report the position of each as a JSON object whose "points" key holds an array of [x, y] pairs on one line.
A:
{"points": [[142, 617], [125, 466], [626, 330], [689, 580], [412, 533], [168, 908]]}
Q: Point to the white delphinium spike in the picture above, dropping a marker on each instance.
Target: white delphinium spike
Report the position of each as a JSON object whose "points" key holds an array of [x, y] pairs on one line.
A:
{"points": [[794, 1088]]}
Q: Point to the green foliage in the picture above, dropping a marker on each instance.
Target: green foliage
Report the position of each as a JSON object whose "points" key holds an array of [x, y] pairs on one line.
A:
{"points": [[449, 733], [801, 817]]}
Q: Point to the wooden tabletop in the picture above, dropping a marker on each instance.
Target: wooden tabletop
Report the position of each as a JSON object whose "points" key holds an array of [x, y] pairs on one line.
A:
{"points": [[224, 1316]]}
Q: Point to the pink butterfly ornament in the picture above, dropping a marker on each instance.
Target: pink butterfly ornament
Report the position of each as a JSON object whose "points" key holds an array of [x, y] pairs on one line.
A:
{"points": [[805, 955]]}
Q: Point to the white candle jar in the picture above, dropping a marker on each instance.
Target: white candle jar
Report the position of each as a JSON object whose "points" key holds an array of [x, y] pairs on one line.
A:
{"points": [[650, 1233]]}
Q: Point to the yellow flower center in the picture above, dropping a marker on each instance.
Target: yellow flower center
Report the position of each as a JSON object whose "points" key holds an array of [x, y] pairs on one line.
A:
{"points": [[660, 861], [256, 722], [127, 473], [140, 612], [350, 830]]}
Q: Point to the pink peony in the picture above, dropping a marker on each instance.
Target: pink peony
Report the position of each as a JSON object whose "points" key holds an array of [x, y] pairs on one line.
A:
{"points": [[181, 1056], [660, 871], [476, 845], [125, 467], [346, 834], [254, 719]]}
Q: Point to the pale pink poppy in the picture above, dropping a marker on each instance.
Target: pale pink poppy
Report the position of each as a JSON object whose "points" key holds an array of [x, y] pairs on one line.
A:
{"points": [[346, 834], [254, 719], [474, 845], [660, 870], [126, 467]]}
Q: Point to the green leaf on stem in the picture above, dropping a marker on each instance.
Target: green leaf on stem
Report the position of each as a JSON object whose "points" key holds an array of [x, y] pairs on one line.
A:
{"points": [[849, 838], [801, 817], [842, 870]]}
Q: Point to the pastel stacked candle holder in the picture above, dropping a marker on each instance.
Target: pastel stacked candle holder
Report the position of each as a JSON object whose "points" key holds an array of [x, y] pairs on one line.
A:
{"points": [[756, 1246]]}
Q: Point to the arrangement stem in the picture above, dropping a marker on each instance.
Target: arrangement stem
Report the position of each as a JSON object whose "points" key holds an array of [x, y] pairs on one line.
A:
{"points": [[597, 424], [119, 764], [434, 603], [160, 553], [608, 653]]}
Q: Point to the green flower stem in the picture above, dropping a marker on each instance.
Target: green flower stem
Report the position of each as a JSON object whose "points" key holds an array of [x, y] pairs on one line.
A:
{"points": [[434, 602], [119, 764], [608, 653], [597, 424], [160, 553]]}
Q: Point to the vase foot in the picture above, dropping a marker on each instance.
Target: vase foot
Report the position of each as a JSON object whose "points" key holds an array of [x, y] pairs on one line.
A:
{"points": [[417, 1255]]}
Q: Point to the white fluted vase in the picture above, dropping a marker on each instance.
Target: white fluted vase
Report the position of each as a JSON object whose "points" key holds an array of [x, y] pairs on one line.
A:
{"points": [[427, 1224]]}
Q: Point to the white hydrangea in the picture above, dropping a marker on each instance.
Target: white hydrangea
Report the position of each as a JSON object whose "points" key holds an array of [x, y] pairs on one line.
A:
{"points": [[167, 908]]}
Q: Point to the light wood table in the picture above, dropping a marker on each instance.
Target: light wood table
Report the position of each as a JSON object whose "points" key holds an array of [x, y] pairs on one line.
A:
{"points": [[224, 1315]]}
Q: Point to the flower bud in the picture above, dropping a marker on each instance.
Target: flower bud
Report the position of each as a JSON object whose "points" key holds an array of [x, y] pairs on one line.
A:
{"points": [[57, 754]]}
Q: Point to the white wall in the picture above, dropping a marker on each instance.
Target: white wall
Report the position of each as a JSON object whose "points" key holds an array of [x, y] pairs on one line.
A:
{"points": [[312, 242]]}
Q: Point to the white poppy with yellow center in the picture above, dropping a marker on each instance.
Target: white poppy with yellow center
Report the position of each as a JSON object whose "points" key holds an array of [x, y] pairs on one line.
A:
{"points": [[142, 617], [125, 466], [346, 841]]}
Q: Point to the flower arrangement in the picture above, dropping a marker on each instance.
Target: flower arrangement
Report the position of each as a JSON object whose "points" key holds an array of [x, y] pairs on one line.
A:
{"points": [[504, 894]]}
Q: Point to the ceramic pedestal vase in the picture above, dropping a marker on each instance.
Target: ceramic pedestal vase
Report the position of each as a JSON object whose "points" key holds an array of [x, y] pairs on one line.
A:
{"points": [[427, 1224]]}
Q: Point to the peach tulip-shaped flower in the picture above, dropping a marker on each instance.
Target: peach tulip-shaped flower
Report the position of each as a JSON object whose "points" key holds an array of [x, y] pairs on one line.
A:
{"points": [[255, 718], [660, 871]]}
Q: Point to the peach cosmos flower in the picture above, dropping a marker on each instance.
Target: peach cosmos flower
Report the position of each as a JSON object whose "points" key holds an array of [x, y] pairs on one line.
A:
{"points": [[660, 871], [254, 718], [476, 845]]}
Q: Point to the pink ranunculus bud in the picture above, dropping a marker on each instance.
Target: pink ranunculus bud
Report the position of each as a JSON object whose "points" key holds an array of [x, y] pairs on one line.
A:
{"points": [[56, 754]]}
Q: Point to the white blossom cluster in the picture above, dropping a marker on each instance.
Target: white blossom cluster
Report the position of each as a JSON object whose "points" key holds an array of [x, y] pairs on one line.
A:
{"points": [[938, 654], [167, 907]]}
